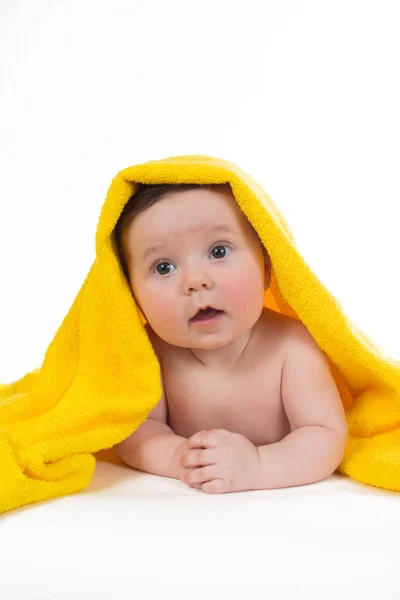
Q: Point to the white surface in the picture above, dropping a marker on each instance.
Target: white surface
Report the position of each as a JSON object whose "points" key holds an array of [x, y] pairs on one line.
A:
{"points": [[135, 535]]}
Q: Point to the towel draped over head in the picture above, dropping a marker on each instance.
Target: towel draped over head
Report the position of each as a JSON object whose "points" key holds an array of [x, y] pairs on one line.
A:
{"points": [[100, 377]]}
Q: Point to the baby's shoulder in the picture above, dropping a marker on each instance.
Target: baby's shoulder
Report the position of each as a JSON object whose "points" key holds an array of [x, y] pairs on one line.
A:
{"points": [[296, 342], [280, 336], [276, 329], [293, 330]]}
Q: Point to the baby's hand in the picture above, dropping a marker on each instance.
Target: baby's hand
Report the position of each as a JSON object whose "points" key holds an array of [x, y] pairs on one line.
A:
{"points": [[219, 461]]}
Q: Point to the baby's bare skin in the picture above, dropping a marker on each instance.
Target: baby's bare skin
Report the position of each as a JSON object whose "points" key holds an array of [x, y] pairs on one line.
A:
{"points": [[249, 402], [274, 419], [245, 400]]}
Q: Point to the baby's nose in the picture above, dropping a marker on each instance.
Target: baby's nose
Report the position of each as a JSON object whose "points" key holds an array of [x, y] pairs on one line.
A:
{"points": [[198, 281]]}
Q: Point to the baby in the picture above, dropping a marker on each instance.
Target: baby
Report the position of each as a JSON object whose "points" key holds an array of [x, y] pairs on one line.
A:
{"points": [[248, 400]]}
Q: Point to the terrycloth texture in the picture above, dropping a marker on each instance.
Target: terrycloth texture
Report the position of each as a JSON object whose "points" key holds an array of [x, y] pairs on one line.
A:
{"points": [[100, 378]]}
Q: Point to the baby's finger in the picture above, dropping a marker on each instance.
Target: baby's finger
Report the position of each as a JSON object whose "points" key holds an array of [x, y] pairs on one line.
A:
{"points": [[196, 485], [203, 439], [216, 486], [198, 458], [193, 485], [202, 474]]}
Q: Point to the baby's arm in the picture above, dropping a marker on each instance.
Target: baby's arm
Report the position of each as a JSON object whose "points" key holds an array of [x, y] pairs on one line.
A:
{"points": [[315, 447], [153, 447]]}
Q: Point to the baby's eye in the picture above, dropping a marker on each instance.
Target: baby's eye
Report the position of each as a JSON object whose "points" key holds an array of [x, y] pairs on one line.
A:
{"points": [[163, 264], [162, 268], [218, 255]]}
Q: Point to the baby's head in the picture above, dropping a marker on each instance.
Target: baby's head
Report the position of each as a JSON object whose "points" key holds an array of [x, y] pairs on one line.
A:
{"points": [[186, 246]]}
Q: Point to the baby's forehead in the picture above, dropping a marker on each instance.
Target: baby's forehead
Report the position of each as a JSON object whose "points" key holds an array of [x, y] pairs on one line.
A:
{"points": [[201, 229], [196, 213]]}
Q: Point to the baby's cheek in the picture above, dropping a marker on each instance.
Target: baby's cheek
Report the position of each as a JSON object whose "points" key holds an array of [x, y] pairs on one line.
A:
{"points": [[156, 300], [244, 288], [166, 313]]}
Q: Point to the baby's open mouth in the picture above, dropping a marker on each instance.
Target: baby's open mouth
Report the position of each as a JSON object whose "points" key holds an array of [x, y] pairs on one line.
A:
{"points": [[207, 313]]}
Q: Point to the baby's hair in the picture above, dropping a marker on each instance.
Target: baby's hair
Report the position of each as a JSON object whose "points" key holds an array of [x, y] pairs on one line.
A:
{"points": [[146, 195]]}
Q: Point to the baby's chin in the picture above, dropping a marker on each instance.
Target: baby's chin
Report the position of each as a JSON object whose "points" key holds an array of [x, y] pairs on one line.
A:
{"points": [[220, 337], [209, 344], [211, 341]]}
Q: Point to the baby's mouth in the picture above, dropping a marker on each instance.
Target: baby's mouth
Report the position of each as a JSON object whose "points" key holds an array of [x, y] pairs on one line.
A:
{"points": [[207, 313]]}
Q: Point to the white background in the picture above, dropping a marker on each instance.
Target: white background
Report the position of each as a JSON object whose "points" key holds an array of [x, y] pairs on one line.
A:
{"points": [[303, 95]]}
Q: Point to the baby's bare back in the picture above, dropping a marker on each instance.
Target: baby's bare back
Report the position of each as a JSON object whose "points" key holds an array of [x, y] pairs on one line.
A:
{"points": [[245, 400]]}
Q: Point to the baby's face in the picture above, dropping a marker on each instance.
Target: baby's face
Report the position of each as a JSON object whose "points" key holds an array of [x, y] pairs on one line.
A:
{"points": [[196, 248]]}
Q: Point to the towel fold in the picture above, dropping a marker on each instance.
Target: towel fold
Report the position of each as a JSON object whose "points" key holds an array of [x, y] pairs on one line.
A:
{"points": [[100, 377]]}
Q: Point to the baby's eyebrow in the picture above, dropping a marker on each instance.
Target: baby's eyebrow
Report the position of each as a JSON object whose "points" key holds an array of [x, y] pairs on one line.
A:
{"points": [[155, 247]]}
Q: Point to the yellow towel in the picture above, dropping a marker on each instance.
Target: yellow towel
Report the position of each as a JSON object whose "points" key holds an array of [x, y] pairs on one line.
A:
{"points": [[100, 377]]}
